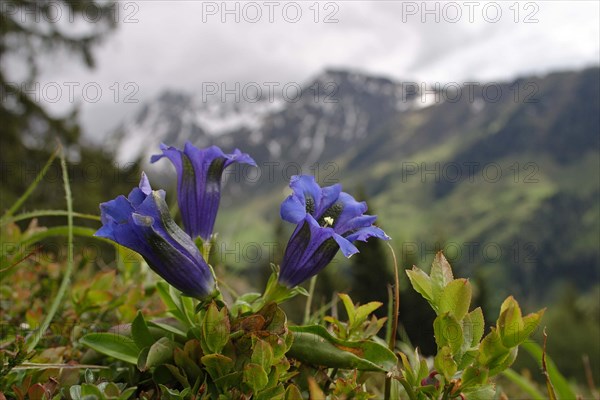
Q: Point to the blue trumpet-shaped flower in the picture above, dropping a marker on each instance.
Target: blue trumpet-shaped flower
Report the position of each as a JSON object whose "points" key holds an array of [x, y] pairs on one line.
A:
{"points": [[327, 220], [142, 222], [199, 173]]}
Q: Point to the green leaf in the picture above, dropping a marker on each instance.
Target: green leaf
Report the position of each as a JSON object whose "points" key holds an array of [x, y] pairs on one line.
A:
{"points": [[448, 332], [117, 346], [127, 393], [89, 376], [513, 328], [215, 329], [485, 392], [183, 361], [173, 326], [349, 305], [110, 389], [474, 376], [444, 362], [363, 312], [474, 324], [491, 350], [293, 393], [262, 354], [272, 393], [510, 322], [255, 376], [505, 363], [315, 345], [531, 323], [90, 390], [456, 298], [441, 275], [278, 346], [75, 392], [421, 282], [140, 332], [408, 373], [172, 302], [217, 365], [230, 380], [160, 352], [178, 374]]}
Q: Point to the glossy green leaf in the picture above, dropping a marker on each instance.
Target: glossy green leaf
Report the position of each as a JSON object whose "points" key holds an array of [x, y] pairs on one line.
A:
{"points": [[315, 345], [293, 393], [217, 365], [531, 323], [456, 298], [363, 312], [161, 352], [485, 392], [421, 282], [191, 369], [172, 302], [349, 306], [174, 327], [90, 390], [408, 372], [215, 329], [117, 346], [444, 362], [262, 354], [272, 393], [503, 364], [140, 332], [473, 327], [441, 275], [510, 322], [255, 376], [491, 350], [474, 376], [127, 393], [448, 332]]}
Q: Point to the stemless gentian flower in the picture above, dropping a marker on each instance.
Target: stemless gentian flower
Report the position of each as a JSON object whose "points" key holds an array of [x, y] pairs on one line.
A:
{"points": [[199, 175], [327, 220], [142, 222]]}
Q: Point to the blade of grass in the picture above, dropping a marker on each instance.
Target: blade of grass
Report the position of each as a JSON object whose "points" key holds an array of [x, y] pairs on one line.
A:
{"points": [[30, 189], [49, 213], [525, 384], [69, 270]]}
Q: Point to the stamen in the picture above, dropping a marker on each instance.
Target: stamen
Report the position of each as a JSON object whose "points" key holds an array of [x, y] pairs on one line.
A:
{"points": [[328, 221]]}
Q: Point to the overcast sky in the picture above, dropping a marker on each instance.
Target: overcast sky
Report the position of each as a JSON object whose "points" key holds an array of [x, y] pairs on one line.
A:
{"points": [[182, 44]]}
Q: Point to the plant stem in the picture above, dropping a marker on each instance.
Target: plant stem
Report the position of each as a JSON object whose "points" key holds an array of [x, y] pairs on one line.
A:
{"points": [[394, 323], [68, 272], [330, 380], [411, 394], [311, 291]]}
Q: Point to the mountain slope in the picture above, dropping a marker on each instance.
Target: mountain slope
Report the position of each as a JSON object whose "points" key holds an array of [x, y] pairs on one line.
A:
{"points": [[504, 177]]}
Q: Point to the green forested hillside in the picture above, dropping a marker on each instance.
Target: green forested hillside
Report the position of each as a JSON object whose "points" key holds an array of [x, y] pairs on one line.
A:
{"points": [[508, 189]]}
